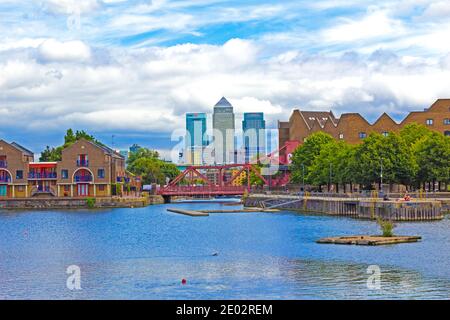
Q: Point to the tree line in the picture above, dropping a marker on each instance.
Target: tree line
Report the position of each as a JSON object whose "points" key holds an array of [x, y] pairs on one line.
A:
{"points": [[416, 157]]}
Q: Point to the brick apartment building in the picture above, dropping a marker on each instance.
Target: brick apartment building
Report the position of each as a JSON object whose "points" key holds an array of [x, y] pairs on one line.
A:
{"points": [[14, 166], [87, 169], [353, 128]]}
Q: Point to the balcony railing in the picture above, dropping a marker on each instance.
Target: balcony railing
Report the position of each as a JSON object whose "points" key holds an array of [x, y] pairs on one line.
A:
{"points": [[3, 164], [83, 163], [38, 175], [83, 178], [5, 179], [123, 179], [43, 188]]}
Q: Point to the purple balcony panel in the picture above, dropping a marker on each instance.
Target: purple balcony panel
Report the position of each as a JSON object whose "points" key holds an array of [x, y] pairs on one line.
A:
{"points": [[83, 163]]}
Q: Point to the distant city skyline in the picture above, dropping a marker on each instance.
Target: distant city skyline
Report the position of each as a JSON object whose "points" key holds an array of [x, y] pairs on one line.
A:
{"points": [[228, 138]]}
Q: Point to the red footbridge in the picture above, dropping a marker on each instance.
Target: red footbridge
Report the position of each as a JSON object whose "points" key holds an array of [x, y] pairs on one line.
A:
{"points": [[209, 181], [213, 179]]}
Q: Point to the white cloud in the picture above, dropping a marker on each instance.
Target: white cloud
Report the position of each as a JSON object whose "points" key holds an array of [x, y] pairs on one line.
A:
{"points": [[374, 25], [54, 51], [72, 6], [149, 90]]}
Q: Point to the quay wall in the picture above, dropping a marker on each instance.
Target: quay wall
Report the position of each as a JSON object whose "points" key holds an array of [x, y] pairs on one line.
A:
{"points": [[355, 208], [77, 203]]}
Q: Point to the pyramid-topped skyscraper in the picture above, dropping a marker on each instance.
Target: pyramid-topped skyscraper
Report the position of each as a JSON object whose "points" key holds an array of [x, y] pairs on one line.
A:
{"points": [[224, 132]]}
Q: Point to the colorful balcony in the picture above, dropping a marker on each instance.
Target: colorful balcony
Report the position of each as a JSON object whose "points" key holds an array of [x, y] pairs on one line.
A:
{"points": [[83, 163], [123, 179], [43, 189], [86, 178], [3, 164], [42, 175]]}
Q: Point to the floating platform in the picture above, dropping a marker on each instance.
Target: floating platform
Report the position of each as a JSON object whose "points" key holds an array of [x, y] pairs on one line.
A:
{"points": [[369, 240], [191, 213], [240, 210]]}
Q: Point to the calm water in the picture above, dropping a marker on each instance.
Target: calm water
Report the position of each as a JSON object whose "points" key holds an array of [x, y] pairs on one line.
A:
{"points": [[144, 253]]}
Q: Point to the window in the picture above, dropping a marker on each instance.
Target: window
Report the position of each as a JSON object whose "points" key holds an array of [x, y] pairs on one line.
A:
{"points": [[362, 135], [101, 173], [447, 121], [19, 174], [101, 187], [21, 188], [447, 133], [429, 122], [66, 188], [385, 133], [341, 136], [64, 174]]}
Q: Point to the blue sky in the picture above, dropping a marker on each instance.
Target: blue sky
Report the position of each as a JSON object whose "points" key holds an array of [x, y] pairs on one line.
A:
{"points": [[134, 68]]}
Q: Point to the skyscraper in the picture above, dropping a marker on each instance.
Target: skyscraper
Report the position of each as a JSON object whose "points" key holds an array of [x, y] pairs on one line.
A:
{"points": [[254, 131], [196, 139], [223, 126]]}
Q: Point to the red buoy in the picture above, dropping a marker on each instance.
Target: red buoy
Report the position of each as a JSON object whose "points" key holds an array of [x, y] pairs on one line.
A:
{"points": [[183, 281]]}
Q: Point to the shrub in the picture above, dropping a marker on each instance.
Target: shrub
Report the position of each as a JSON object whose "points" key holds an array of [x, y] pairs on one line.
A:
{"points": [[90, 203], [387, 227]]}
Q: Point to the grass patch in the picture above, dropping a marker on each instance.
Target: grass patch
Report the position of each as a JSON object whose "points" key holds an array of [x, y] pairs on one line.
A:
{"points": [[387, 227], [90, 202]]}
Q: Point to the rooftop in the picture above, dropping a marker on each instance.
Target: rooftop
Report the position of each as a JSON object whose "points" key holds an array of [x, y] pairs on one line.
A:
{"points": [[223, 103]]}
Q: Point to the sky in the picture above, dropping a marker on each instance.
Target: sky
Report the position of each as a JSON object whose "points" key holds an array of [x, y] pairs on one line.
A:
{"points": [[132, 68]]}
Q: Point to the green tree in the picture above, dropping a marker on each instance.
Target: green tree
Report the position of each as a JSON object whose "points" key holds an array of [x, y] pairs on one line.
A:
{"points": [[413, 132], [55, 154], [141, 153], [345, 165], [306, 153], [169, 170], [146, 163], [387, 155], [432, 154], [321, 170]]}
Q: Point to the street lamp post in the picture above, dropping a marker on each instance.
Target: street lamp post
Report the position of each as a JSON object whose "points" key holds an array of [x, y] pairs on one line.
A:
{"points": [[381, 175], [329, 182], [303, 176]]}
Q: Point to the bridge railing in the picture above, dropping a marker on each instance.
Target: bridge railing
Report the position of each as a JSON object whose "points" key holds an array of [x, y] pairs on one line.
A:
{"points": [[202, 189]]}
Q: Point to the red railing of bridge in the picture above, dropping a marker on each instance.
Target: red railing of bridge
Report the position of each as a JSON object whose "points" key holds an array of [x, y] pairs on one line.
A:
{"points": [[183, 184], [202, 190]]}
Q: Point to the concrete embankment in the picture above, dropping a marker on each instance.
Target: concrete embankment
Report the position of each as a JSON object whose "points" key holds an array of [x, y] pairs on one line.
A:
{"points": [[78, 203], [363, 208]]}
